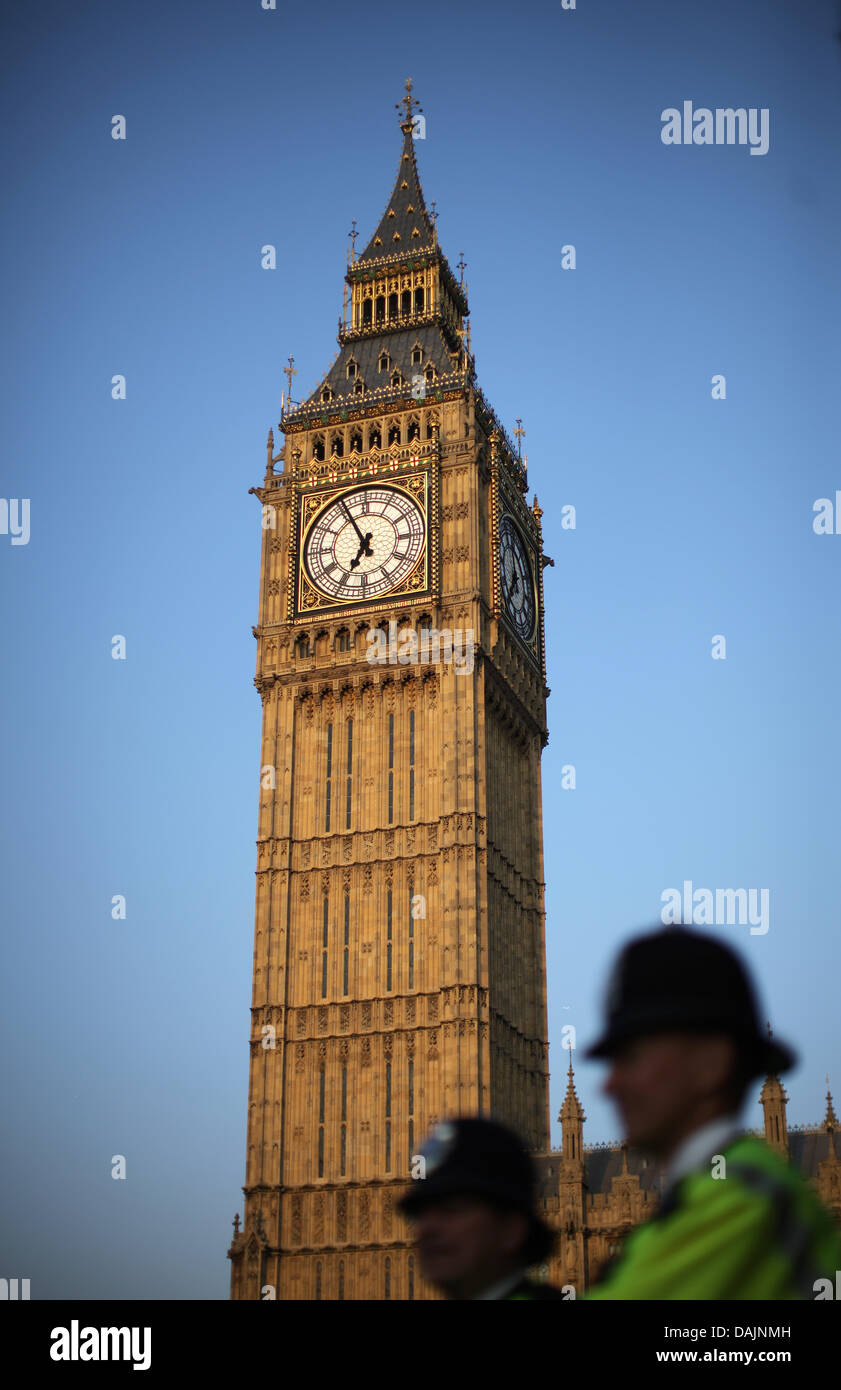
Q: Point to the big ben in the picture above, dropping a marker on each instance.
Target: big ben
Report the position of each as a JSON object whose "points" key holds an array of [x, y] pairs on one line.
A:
{"points": [[399, 960]]}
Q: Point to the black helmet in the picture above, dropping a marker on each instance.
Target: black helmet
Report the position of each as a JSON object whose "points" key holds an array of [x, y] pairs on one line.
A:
{"points": [[480, 1158], [678, 980]]}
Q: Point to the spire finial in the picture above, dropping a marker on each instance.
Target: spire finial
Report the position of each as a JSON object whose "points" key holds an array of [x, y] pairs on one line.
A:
{"points": [[235, 1224], [461, 264], [410, 106], [289, 372], [353, 234], [519, 432]]}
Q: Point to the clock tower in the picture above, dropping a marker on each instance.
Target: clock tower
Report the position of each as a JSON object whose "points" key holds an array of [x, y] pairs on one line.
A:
{"points": [[399, 962]]}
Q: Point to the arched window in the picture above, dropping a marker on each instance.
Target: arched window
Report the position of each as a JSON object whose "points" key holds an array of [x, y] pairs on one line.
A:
{"points": [[417, 355], [430, 373], [359, 387], [302, 646], [419, 300], [356, 442], [380, 308], [414, 429], [327, 394], [375, 439], [383, 362], [396, 377], [394, 434], [367, 311], [392, 306], [352, 369], [406, 303], [337, 445], [343, 640], [318, 447]]}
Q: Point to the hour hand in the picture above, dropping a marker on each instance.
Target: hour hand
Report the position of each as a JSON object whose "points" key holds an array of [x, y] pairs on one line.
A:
{"points": [[364, 549]]}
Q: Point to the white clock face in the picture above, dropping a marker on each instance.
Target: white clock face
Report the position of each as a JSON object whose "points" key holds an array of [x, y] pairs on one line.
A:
{"points": [[364, 543], [515, 579]]}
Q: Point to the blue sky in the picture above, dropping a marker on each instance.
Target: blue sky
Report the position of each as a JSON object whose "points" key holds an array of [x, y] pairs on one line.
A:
{"points": [[694, 518]]}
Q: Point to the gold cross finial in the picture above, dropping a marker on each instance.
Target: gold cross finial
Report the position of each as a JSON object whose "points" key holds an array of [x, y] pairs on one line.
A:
{"points": [[353, 234], [409, 105], [519, 432], [461, 264], [289, 372]]}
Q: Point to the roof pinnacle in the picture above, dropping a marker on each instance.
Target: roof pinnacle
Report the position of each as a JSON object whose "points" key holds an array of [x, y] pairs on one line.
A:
{"points": [[409, 105], [831, 1120]]}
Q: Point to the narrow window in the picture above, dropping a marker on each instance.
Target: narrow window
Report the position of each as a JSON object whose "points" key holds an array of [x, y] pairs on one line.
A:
{"points": [[329, 775], [388, 947], [392, 306], [387, 1293], [324, 952], [411, 946], [318, 1281], [321, 1123], [341, 1279], [346, 952], [344, 1121], [411, 1276], [390, 768], [411, 764], [419, 300], [406, 303], [349, 770]]}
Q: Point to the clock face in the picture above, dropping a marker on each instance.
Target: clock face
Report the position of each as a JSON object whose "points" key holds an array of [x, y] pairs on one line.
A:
{"points": [[516, 579], [364, 543]]}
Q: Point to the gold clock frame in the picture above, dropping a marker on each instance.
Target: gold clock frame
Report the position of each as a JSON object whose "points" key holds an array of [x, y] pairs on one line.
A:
{"points": [[311, 602]]}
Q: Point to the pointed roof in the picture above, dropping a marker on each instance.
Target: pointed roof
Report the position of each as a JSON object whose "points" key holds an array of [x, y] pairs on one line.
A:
{"points": [[572, 1108], [831, 1120], [405, 224]]}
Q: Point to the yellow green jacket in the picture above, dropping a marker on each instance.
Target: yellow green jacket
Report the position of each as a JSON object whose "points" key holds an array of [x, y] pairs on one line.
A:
{"points": [[757, 1232]]}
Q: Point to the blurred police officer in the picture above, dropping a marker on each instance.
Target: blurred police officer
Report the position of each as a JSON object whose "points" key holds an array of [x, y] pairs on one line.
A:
{"points": [[735, 1220], [474, 1214]]}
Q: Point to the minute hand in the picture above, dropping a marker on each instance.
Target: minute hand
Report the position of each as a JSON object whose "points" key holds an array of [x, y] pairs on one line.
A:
{"points": [[352, 522]]}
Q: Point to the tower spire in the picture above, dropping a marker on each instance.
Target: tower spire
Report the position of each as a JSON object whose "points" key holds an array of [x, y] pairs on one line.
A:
{"points": [[831, 1120]]}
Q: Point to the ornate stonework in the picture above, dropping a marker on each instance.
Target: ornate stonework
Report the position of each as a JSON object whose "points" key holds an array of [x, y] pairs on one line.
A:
{"points": [[403, 950]]}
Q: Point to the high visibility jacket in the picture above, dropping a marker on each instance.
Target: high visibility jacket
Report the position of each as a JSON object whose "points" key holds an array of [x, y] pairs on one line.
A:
{"points": [[757, 1231]]}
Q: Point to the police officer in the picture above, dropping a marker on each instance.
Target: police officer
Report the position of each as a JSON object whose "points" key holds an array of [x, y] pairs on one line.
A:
{"points": [[473, 1209], [735, 1220]]}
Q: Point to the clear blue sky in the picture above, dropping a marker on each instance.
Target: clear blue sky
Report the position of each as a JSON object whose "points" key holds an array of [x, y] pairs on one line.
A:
{"points": [[694, 518]]}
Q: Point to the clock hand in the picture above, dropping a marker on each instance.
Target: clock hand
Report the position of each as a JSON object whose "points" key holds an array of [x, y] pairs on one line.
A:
{"points": [[351, 520], [364, 549]]}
